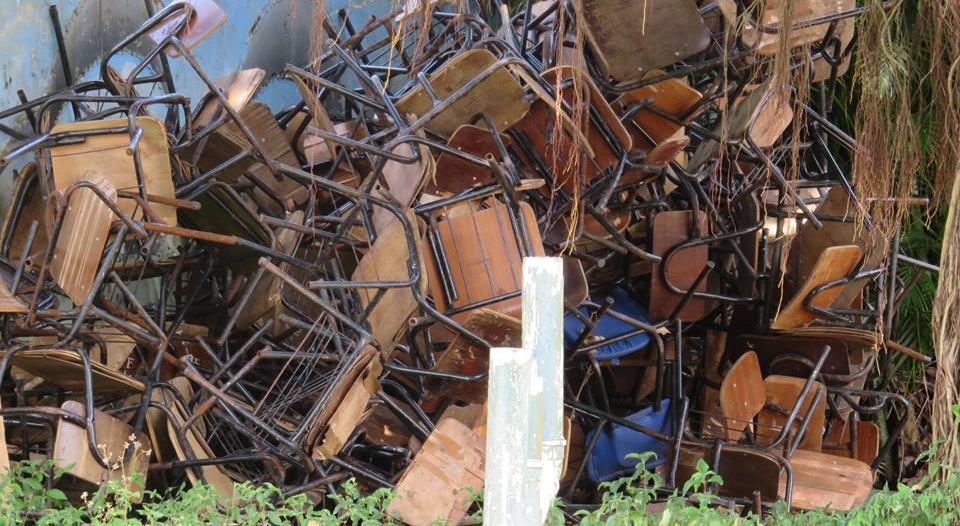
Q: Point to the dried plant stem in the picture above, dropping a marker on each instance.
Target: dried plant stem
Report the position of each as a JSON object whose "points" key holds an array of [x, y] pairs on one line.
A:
{"points": [[946, 333]]}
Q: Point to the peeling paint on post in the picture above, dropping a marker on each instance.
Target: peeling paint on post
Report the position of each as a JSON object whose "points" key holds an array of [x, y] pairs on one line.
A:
{"points": [[543, 335], [508, 411], [525, 443]]}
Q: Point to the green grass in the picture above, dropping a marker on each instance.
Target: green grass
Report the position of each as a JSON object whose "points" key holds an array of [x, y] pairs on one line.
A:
{"points": [[26, 497]]}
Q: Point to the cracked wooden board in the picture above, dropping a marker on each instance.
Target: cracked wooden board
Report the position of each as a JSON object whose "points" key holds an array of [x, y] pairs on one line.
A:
{"points": [[82, 239], [106, 151], [345, 405]]}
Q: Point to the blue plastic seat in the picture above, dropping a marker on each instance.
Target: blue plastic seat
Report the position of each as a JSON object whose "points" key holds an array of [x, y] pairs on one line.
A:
{"points": [[609, 327], [608, 459]]}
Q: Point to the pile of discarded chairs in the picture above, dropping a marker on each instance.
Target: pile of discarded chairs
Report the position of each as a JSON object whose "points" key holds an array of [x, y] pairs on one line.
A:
{"points": [[216, 290]]}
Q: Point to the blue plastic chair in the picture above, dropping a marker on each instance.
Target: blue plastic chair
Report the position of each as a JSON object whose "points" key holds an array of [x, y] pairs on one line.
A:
{"points": [[610, 328], [608, 458]]}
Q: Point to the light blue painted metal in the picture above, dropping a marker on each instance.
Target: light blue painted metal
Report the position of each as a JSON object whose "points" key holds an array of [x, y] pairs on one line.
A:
{"points": [[258, 33]]}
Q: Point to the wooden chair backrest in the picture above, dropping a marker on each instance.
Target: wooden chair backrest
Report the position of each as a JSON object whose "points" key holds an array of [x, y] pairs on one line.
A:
{"points": [[672, 30], [742, 395], [782, 393], [500, 96], [834, 263], [668, 230], [484, 257], [86, 228], [107, 151]]}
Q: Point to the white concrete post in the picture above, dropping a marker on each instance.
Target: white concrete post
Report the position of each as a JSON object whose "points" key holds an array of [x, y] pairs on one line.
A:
{"points": [[525, 443], [543, 334], [508, 415]]}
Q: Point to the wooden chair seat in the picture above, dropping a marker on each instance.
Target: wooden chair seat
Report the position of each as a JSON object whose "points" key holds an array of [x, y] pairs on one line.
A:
{"points": [[207, 17], [456, 174], [587, 142], [833, 264], [822, 480], [105, 148], [670, 229], [483, 256], [462, 356], [437, 484], [773, 14], [662, 138], [631, 38], [839, 441], [71, 449], [64, 369], [401, 182], [499, 95], [9, 304]]}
